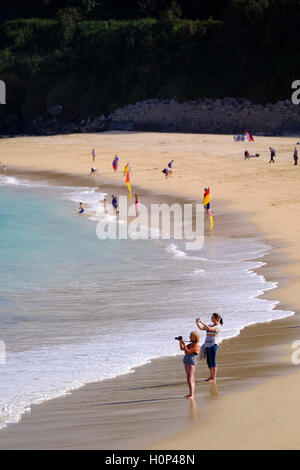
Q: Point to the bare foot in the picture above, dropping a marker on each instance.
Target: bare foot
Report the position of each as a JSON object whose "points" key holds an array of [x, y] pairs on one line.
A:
{"points": [[189, 396], [208, 380]]}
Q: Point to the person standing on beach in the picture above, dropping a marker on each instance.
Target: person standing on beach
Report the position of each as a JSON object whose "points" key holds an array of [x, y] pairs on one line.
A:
{"points": [[115, 163], [272, 154], [137, 204], [190, 360], [211, 344], [105, 205], [94, 153], [295, 156], [114, 202]]}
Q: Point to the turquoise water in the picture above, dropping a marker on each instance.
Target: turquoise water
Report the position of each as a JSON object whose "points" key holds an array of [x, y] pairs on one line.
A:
{"points": [[73, 308]]}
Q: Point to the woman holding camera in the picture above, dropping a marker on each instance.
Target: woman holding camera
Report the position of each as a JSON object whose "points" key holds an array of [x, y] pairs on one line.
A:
{"points": [[191, 350], [211, 344]]}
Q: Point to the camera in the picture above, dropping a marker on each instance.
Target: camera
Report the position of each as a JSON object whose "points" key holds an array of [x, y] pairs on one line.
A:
{"points": [[179, 338]]}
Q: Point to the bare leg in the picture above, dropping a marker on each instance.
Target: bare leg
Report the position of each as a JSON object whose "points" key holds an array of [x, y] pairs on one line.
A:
{"points": [[213, 375], [190, 375]]}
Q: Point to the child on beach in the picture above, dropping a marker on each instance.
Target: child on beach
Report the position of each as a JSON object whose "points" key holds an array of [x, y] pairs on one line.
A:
{"points": [[190, 360], [211, 344], [81, 208], [94, 153]]}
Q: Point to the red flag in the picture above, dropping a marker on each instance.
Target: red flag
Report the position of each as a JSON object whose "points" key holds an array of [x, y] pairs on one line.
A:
{"points": [[206, 198]]}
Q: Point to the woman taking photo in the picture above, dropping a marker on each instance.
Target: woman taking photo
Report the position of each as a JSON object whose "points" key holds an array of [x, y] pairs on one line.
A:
{"points": [[190, 360], [211, 344]]}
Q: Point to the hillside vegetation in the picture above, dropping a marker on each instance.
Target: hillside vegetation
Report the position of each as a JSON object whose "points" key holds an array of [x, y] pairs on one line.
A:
{"points": [[93, 61]]}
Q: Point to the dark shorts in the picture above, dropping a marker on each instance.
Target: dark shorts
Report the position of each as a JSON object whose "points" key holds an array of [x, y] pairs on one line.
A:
{"points": [[190, 360], [211, 354]]}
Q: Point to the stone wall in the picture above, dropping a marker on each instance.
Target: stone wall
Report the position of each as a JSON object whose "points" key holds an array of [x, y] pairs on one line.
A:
{"points": [[220, 116], [227, 115]]}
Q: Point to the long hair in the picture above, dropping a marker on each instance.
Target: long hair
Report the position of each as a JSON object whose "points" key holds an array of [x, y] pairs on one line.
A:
{"points": [[196, 334], [218, 317]]}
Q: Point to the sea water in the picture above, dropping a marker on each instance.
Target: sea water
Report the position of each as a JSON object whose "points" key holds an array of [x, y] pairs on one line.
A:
{"points": [[75, 309]]}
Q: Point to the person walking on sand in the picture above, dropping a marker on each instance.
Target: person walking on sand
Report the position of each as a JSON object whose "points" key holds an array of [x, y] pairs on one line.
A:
{"points": [[115, 163], [272, 154], [191, 350], [295, 156], [94, 153], [211, 343], [137, 204]]}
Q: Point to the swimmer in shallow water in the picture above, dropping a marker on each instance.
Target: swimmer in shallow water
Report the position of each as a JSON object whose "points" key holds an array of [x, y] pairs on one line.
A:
{"points": [[105, 206], [81, 208]]}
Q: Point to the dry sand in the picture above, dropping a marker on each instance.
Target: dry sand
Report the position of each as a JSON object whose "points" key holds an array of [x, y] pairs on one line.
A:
{"points": [[262, 416]]}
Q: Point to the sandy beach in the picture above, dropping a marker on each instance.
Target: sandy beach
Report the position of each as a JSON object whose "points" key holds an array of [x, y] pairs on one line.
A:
{"points": [[255, 403]]}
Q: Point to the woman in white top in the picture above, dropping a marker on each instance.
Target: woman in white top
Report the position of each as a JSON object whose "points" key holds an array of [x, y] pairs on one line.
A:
{"points": [[211, 342]]}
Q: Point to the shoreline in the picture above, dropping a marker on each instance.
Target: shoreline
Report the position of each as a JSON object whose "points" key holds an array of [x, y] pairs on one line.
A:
{"points": [[240, 383], [253, 351]]}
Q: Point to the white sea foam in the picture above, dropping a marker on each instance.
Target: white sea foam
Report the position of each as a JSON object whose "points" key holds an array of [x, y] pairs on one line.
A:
{"points": [[10, 180]]}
